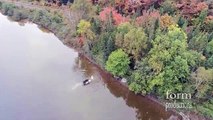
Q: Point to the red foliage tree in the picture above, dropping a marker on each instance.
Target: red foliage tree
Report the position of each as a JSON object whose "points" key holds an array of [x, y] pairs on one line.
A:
{"points": [[147, 17], [131, 6], [191, 8], [118, 18]]}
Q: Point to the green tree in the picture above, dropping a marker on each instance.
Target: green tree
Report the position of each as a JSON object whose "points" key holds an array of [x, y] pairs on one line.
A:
{"points": [[118, 63], [209, 54], [106, 45], [168, 6], [132, 40], [84, 9], [140, 78], [122, 30], [209, 48], [206, 108], [209, 62], [169, 61], [198, 41], [202, 81], [201, 18], [135, 42]]}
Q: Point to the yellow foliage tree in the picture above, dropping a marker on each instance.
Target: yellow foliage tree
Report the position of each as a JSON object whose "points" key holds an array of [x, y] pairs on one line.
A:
{"points": [[166, 21], [84, 30]]}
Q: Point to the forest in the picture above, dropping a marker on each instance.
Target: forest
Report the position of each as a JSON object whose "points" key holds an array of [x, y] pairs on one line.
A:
{"points": [[157, 45]]}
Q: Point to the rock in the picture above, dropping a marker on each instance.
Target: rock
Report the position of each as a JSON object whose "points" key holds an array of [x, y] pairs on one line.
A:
{"points": [[123, 80], [117, 78]]}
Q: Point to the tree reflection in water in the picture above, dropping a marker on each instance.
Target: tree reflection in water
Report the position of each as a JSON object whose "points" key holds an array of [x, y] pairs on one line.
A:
{"points": [[145, 109]]}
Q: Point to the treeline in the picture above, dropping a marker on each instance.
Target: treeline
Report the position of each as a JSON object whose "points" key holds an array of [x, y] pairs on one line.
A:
{"points": [[47, 19], [158, 46]]}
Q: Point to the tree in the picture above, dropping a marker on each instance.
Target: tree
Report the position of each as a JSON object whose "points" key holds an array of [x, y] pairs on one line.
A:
{"points": [[209, 48], [166, 21], [208, 24], [167, 66], [168, 6], [209, 62], [150, 22], [106, 45], [147, 18], [132, 40], [209, 53], [118, 63], [84, 30], [168, 60], [202, 81], [84, 8], [130, 7], [135, 42], [191, 8], [122, 29], [117, 18], [198, 42], [140, 78]]}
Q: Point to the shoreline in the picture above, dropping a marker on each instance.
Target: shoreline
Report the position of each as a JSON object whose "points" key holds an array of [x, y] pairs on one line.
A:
{"points": [[71, 44]]}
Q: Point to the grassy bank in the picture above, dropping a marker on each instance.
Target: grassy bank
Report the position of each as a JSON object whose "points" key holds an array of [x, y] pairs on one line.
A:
{"points": [[51, 20]]}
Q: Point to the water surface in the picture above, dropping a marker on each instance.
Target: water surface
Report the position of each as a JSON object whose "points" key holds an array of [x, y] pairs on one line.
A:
{"points": [[40, 79]]}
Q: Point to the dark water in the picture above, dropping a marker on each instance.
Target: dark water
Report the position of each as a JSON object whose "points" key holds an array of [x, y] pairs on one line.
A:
{"points": [[40, 79]]}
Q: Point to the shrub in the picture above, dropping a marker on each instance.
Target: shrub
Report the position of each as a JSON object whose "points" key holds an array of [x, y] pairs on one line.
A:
{"points": [[7, 9], [206, 108], [19, 15]]}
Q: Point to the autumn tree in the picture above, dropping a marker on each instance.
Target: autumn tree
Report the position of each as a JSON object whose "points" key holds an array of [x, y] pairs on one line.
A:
{"points": [[84, 30], [191, 8], [117, 18], [166, 21], [147, 18], [132, 7], [150, 22]]}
